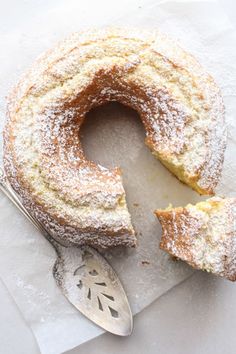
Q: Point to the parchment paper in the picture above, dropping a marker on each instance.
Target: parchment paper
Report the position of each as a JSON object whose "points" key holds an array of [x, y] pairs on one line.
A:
{"points": [[112, 136]]}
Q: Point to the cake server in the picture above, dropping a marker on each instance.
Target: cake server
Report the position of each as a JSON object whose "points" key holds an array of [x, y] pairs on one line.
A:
{"points": [[84, 277]]}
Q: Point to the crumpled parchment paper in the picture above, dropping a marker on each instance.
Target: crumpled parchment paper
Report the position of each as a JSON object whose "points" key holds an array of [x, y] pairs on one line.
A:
{"points": [[112, 136]]}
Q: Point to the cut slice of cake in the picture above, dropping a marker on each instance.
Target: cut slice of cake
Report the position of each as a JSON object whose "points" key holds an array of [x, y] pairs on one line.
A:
{"points": [[203, 235]]}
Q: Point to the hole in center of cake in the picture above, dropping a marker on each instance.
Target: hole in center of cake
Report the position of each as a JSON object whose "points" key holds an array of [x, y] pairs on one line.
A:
{"points": [[113, 135]]}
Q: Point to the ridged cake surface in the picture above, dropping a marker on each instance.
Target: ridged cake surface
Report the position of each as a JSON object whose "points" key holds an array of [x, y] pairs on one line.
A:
{"points": [[178, 102], [203, 235]]}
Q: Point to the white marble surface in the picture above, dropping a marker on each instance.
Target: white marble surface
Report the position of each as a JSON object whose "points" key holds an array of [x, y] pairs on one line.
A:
{"points": [[198, 316]]}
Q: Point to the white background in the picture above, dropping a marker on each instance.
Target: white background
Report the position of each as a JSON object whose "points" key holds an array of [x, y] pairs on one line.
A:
{"points": [[198, 316]]}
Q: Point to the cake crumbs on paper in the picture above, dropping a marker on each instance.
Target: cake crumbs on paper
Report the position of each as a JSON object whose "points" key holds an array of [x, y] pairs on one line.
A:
{"points": [[145, 262]]}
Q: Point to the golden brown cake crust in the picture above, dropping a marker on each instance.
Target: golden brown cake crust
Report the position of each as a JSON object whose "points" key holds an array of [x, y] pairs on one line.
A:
{"points": [[203, 235], [178, 102]]}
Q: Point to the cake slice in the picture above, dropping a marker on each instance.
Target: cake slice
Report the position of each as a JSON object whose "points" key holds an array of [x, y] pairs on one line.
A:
{"points": [[203, 235]]}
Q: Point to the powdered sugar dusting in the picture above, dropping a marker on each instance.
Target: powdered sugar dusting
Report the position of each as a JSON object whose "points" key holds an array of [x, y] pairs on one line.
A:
{"points": [[203, 235], [178, 102]]}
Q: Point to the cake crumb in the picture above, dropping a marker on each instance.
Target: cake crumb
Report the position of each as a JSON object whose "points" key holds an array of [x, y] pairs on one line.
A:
{"points": [[145, 263]]}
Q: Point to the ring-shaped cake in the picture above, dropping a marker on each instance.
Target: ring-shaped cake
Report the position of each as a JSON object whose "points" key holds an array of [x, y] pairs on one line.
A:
{"points": [[179, 104]]}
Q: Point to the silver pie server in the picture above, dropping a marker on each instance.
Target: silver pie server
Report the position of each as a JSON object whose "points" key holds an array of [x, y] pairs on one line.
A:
{"points": [[84, 277]]}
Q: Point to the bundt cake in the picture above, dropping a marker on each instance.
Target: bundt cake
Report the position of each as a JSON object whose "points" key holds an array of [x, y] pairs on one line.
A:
{"points": [[178, 102]]}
